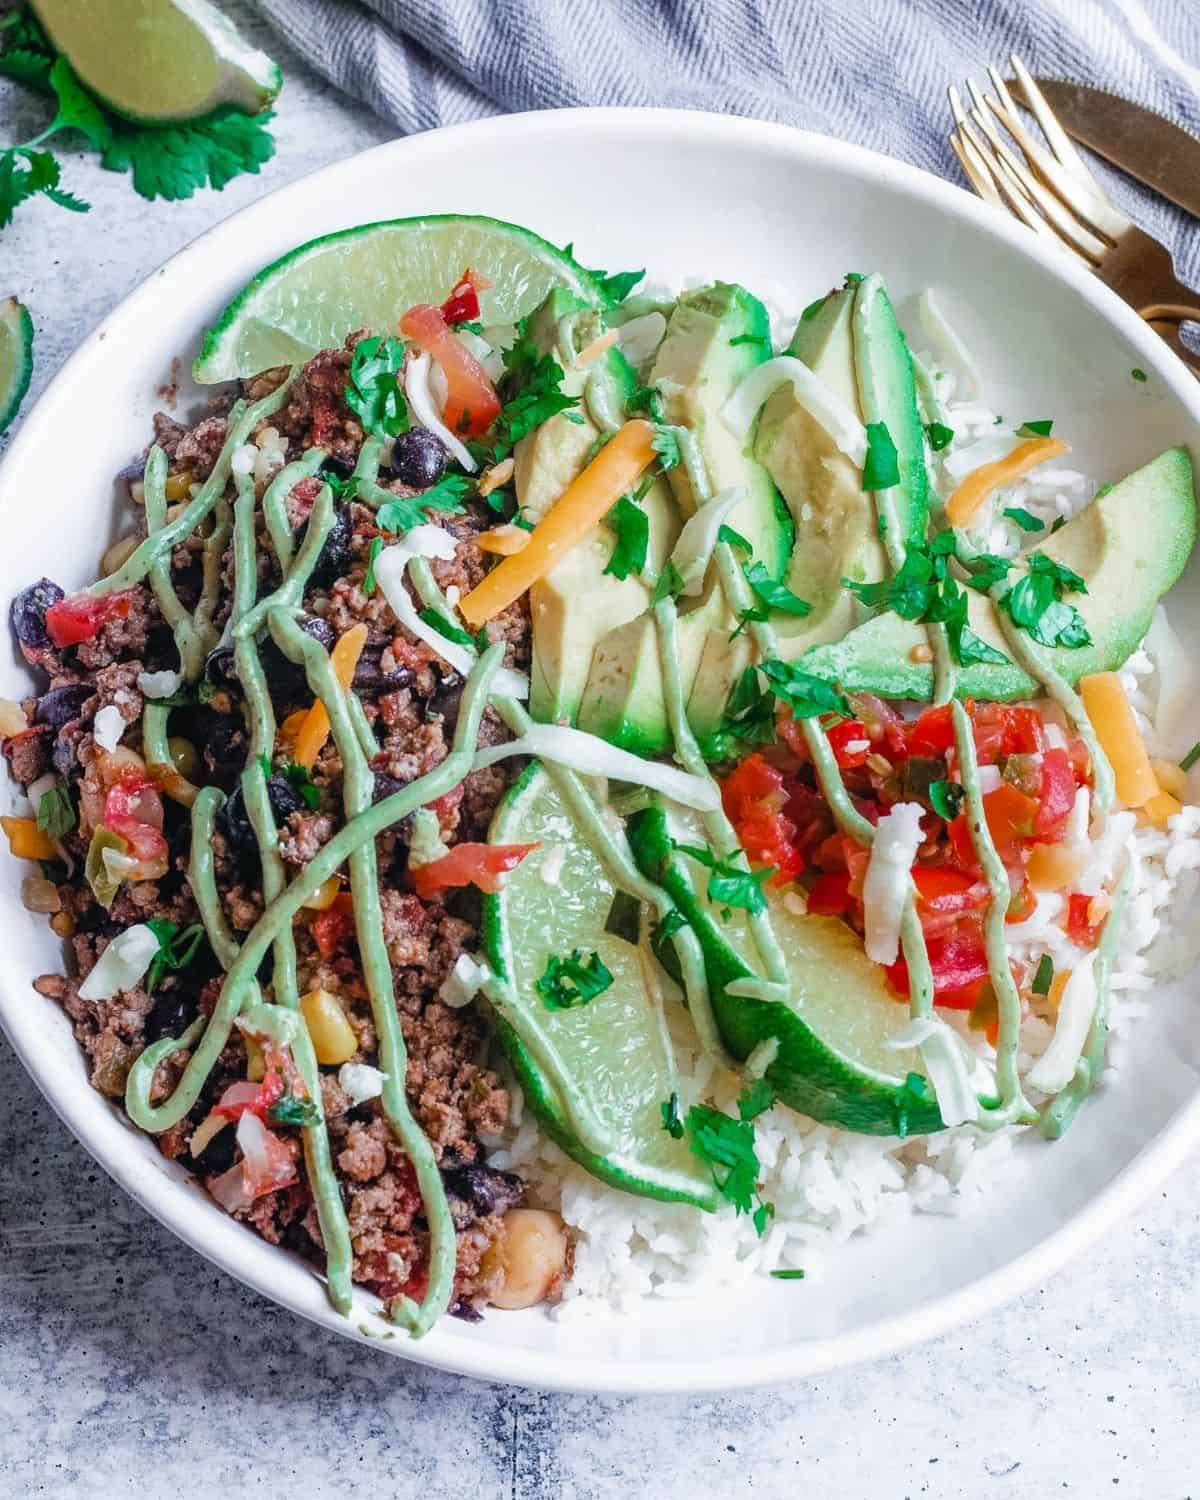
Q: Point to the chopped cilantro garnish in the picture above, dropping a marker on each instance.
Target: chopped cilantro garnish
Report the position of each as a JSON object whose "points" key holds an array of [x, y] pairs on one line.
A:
{"points": [[1139, 375], [176, 949], [531, 388], [293, 1111], [665, 443], [750, 338], [946, 798], [373, 390], [671, 1122], [373, 551], [728, 883], [773, 593], [751, 616], [807, 696], [1025, 519], [302, 784], [1190, 759], [749, 718], [645, 401], [735, 539], [881, 469], [761, 1217], [502, 503], [666, 928], [669, 584], [1035, 605], [1040, 428], [572, 981], [987, 570], [446, 627], [1044, 976], [788, 1274], [632, 527], [727, 1145], [940, 436], [617, 287], [56, 812], [403, 512]]}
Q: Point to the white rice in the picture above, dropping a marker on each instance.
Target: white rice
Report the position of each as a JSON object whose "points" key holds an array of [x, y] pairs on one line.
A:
{"points": [[828, 1185]]}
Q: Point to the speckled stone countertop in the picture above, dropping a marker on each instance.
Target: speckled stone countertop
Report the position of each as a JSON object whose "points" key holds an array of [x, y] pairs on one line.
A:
{"points": [[129, 1367]]}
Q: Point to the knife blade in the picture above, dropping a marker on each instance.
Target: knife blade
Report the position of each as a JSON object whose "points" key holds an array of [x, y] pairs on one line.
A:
{"points": [[1144, 144]]}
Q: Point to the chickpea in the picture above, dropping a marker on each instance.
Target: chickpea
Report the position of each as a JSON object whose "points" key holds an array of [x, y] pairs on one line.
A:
{"points": [[118, 554], [530, 1253]]}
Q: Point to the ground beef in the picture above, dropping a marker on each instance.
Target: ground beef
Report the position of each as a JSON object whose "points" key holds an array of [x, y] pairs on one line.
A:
{"points": [[315, 414], [28, 754], [198, 450], [304, 835], [121, 638]]}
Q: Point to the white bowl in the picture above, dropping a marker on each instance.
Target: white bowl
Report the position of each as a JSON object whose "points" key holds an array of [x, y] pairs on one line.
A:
{"points": [[691, 196]]}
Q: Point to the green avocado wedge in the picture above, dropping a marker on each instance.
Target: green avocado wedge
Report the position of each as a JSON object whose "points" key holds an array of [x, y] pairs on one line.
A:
{"points": [[368, 276], [833, 1063], [1130, 546], [16, 357], [615, 1057]]}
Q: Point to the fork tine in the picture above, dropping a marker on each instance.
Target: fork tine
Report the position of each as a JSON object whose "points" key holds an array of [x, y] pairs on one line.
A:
{"points": [[1062, 219], [980, 179], [1060, 142], [1000, 189], [1084, 200]]}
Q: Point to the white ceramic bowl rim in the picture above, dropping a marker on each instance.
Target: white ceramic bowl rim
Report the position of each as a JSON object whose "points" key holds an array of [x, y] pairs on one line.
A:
{"points": [[445, 1348]]}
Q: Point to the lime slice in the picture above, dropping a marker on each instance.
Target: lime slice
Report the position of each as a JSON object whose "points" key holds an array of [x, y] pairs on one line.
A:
{"points": [[368, 276], [160, 61], [835, 1061], [614, 1050], [16, 357]]}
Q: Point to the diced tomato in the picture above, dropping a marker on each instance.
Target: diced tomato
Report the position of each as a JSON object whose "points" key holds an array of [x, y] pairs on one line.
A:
{"points": [[942, 891], [479, 865], [961, 845], [250, 1098], [1057, 796], [332, 928], [999, 729], [959, 964], [462, 305], [1081, 761], [850, 743], [1010, 817], [81, 617], [809, 814], [1024, 772], [133, 810], [769, 839], [1080, 928], [751, 783], [267, 1163], [471, 401], [933, 733], [830, 894]]}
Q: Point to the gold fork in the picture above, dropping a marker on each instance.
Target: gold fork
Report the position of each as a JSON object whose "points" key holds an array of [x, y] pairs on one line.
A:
{"points": [[1050, 189]]}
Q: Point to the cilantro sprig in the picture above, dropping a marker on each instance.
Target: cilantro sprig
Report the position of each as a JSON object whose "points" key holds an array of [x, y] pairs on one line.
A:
{"points": [[531, 390], [807, 696], [1036, 605], [749, 719], [727, 1146], [56, 812], [571, 981], [773, 593], [631, 525], [302, 784], [729, 884], [373, 389], [176, 948], [403, 512]]}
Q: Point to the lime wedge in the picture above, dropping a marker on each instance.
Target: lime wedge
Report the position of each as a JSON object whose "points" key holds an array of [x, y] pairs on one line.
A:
{"points": [[16, 357], [368, 276], [160, 61], [613, 1051], [835, 1062]]}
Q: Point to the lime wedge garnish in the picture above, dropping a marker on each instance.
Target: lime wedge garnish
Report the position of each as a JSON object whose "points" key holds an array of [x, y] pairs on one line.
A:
{"points": [[16, 357], [366, 277], [835, 1060], [160, 61], [614, 1056]]}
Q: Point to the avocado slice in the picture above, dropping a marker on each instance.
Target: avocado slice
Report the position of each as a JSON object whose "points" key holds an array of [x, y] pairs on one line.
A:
{"points": [[577, 602], [1130, 545], [714, 336], [834, 1061]]}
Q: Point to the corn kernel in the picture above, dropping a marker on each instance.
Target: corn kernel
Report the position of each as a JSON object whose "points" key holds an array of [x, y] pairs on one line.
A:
{"points": [[333, 1040], [178, 485], [325, 895], [256, 1062]]}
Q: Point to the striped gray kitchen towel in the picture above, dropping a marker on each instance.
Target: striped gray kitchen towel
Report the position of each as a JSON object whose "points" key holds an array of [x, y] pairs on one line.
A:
{"points": [[870, 71]]}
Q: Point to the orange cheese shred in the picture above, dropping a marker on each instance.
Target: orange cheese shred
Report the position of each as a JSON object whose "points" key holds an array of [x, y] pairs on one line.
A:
{"points": [[27, 840], [315, 730], [981, 482], [584, 503]]}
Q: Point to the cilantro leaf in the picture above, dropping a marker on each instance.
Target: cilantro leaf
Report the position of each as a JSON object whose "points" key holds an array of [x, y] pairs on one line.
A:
{"points": [[572, 981], [946, 798], [671, 1123], [1139, 375], [788, 1273], [77, 110], [645, 401], [292, 1111], [615, 288], [728, 883], [1040, 428], [531, 388], [728, 1147], [666, 927], [749, 718], [1033, 604], [1044, 975], [174, 161], [632, 528], [773, 593], [669, 584], [302, 784], [751, 616], [940, 436], [987, 570], [403, 512], [176, 949], [735, 539], [56, 812], [1023, 518], [373, 551], [665, 443], [446, 627], [1065, 578], [373, 390], [807, 696], [881, 468]]}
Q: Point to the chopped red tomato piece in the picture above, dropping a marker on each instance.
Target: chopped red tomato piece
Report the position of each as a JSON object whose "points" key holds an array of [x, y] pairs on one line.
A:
{"points": [[944, 892], [960, 970], [1010, 817], [81, 617], [333, 927], [471, 401], [479, 865], [830, 894], [133, 810], [462, 305], [1082, 931], [999, 729], [1057, 796], [267, 1163], [752, 782], [250, 1098], [933, 732], [850, 743], [753, 795]]}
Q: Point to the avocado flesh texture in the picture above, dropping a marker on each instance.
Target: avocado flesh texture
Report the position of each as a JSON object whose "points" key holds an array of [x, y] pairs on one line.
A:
{"points": [[700, 366], [1130, 546], [576, 603], [833, 1062]]}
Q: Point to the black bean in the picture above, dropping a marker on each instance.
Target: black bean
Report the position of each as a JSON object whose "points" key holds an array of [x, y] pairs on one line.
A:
{"points": [[286, 681], [484, 1189], [446, 700], [334, 560], [28, 612], [173, 1011], [219, 669], [320, 629], [385, 786], [217, 1156], [370, 680], [419, 458], [60, 705], [223, 744], [235, 820], [65, 753]]}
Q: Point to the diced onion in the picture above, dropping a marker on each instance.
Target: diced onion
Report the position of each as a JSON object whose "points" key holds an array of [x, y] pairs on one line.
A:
{"points": [[244, 459], [159, 684], [946, 1066], [989, 779], [640, 337], [360, 1082], [465, 980], [838, 418], [592, 756], [699, 536], [888, 880], [490, 358], [420, 397], [389, 574], [950, 349], [1077, 1004], [229, 1189], [122, 964], [108, 727], [987, 450]]}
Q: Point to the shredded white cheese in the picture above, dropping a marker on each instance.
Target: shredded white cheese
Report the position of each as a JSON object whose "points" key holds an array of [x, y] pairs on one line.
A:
{"points": [[887, 881], [122, 964], [466, 979], [418, 389], [360, 1082], [159, 684], [108, 727], [825, 406]]}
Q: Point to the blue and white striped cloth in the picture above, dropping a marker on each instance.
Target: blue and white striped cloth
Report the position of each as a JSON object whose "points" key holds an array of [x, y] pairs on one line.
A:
{"points": [[870, 71]]}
